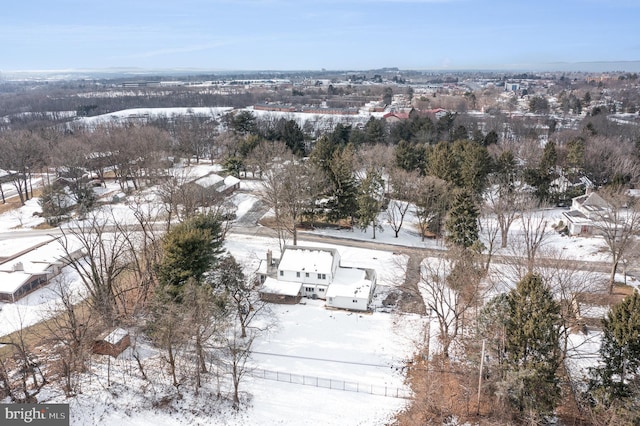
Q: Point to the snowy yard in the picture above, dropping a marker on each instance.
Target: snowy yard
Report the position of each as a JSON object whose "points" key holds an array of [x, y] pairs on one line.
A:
{"points": [[365, 351]]}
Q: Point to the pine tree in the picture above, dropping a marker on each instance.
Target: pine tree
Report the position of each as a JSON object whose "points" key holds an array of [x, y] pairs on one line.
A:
{"points": [[344, 193], [190, 249], [618, 376], [462, 224], [532, 348], [370, 200]]}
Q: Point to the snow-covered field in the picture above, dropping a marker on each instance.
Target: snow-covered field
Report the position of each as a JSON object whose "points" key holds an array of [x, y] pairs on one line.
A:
{"points": [[364, 350]]}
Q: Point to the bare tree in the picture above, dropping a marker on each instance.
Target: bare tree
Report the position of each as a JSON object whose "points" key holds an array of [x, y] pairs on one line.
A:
{"points": [[290, 187], [167, 330], [143, 249], [570, 282], [99, 256], [404, 186], [450, 287], [70, 328], [505, 204], [21, 377], [204, 323], [618, 224], [237, 350], [535, 232], [21, 153]]}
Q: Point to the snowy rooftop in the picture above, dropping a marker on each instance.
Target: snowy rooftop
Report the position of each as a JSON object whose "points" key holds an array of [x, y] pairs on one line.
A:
{"points": [[12, 281], [350, 282], [285, 288], [17, 271], [307, 259], [13, 247], [210, 181], [116, 335]]}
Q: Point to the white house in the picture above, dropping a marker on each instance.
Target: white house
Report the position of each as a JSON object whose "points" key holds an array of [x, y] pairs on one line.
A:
{"points": [[316, 273], [585, 211], [315, 268], [352, 289]]}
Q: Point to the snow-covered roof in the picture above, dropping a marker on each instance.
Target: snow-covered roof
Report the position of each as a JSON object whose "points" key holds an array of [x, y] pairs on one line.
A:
{"points": [[14, 246], [38, 261], [284, 288], [350, 282], [116, 336], [575, 216], [10, 282], [231, 180], [210, 181], [307, 259], [592, 202]]}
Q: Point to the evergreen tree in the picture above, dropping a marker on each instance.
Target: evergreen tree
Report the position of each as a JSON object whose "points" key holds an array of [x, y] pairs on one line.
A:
{"points": [[490, 139], [474, 165], [190, 250], [410, 156], [443, 163], [532, 348], [462, 223], [549, 158], [618, 378], [370, 200], [375, 131], [343, 196]]}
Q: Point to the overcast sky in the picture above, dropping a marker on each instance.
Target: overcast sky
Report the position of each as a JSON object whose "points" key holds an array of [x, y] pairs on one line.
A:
{"points": [[310, 35]]}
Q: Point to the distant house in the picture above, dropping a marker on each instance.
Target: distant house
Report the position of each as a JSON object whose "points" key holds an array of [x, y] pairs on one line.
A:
{"points": [[511, 87], [31, 268], [585, 211], [563, 184], [394, 117], [112, 343], [218, 184], [436, 112], [316, 273]]}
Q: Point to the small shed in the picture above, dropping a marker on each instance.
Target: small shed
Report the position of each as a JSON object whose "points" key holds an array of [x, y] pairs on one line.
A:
{"points": [[112, 343], [285, 292]]}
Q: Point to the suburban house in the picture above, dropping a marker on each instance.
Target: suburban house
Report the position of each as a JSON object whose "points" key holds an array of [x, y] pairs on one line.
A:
{"points": [[218, 184], [585, 211], [316, 273], [563, 184], [27, 269], [394, 117]]}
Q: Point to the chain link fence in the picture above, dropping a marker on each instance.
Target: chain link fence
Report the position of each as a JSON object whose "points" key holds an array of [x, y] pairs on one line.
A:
{"points": [[319, 382]]}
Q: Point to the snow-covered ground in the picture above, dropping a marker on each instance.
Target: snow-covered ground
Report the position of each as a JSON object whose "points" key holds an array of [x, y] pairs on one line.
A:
{"points": [[365, 350], [368, 350], [330, 348]]}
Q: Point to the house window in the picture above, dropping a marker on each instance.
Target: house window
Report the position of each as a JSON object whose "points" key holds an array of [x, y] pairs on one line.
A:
{"points": [[355, 301], [298, 274], [281, 273], [322, 276], [321, 290], [308, 289], [306, 274]]}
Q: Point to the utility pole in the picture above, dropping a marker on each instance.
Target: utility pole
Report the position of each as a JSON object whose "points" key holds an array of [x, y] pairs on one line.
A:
{"points": [[480, 377]]}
